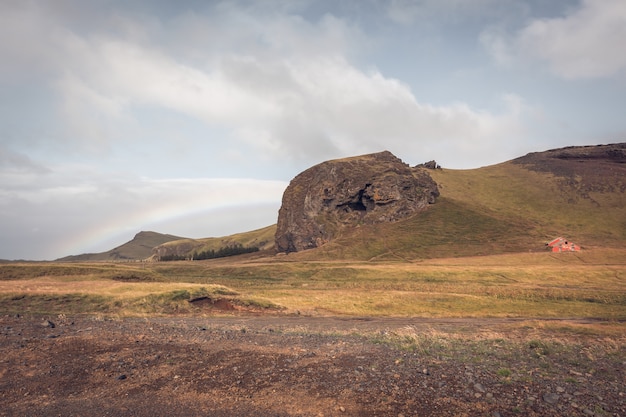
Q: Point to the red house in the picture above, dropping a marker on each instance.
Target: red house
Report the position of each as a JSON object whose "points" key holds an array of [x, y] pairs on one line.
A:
{"points": [[562, 245]]}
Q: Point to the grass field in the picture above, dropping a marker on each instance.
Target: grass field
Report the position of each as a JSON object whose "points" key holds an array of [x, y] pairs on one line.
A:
{"points": [[477, 252], [528, 285]]}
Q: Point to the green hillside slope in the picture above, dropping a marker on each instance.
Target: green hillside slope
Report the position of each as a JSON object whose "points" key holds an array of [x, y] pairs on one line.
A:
{"points": [[260, 238], [551, 205], [516, 206]]}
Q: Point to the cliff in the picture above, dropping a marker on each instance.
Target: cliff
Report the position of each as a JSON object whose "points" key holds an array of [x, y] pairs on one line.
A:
{"points": [[327, 198]]}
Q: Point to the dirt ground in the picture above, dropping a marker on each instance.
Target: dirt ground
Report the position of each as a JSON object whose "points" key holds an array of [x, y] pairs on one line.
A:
{"points": [[306, 366]]}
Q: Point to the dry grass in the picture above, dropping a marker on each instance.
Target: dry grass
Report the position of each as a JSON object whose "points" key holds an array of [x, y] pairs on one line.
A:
{"points": [[588, 284], [105, 288], [260, 238], [552, 205], [77, 292]]}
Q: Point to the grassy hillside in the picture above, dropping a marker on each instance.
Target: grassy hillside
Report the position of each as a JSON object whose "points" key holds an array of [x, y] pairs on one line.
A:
{"points": [[516, 206], [260, 238], [504, 208], [552, 205]]}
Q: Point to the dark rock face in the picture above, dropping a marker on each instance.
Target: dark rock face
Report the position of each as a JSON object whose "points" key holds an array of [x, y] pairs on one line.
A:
{"points": [[331, 196], [430, 165], [583, 170]]}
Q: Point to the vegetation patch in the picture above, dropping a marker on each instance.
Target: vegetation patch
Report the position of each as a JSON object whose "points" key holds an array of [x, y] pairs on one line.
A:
{"points": [[515, 358], [132, 277], [45, 304]]}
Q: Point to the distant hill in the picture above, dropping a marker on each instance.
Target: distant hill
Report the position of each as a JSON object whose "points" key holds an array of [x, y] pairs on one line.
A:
{"points": [[140, 247], [263, 239]]}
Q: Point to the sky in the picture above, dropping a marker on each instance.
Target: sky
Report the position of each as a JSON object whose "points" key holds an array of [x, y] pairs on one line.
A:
{"points": [[191, 117]]}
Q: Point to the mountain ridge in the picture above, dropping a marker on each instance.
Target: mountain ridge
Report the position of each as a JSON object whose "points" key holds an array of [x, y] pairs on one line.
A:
{"points": [[139, 247], [513, 206]]}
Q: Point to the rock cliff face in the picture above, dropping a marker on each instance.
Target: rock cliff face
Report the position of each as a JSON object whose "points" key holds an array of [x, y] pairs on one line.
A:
{"points": [[334, 195]]}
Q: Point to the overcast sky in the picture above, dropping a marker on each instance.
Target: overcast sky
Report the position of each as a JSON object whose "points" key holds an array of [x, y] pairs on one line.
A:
{"points": [[191, 117]]}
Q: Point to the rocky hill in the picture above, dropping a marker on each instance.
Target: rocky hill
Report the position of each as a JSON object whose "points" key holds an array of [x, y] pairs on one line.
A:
{"points": [[511, 207], [330, 197], [375, 207]]}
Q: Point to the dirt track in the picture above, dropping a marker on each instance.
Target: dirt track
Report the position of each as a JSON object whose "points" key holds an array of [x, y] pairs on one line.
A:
{"points": [[305, 366]]}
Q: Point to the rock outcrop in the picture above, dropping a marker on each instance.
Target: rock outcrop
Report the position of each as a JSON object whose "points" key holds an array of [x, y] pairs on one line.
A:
{"points": [[327, 198], [430, 165]]}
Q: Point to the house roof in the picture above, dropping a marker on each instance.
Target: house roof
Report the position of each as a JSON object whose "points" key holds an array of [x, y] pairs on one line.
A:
{"points": [[556, 241]]}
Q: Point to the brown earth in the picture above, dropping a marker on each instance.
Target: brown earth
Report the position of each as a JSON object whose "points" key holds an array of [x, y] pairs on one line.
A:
{"points": [[310, 366]]}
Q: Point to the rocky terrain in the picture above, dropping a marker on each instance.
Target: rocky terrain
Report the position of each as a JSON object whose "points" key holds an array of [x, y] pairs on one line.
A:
{"points": [[308, 366], [586, 169], [333, 195]]}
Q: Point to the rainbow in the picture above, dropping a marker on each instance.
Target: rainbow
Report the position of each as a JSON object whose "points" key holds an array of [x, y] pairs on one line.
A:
{"points": [[163, 202]]}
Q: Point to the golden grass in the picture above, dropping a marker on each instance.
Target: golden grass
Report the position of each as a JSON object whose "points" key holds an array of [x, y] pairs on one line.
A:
{"points": [[541, 199], [572, 329], [106, 288], [528, 285], [261, 238], [91, 293]]}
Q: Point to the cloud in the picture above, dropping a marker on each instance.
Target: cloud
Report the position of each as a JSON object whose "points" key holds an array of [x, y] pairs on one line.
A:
{"points": [[273, 88], [25, 53], [271, 80], [333, 109], [305, 108], [426, 12], [17, 163], [587, 42]]}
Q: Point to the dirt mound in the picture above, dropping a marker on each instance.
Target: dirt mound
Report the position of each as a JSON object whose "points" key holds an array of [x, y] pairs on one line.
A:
{"points": [[214, 303]]}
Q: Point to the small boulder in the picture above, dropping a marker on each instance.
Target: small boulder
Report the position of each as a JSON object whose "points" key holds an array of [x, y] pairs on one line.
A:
{"points": [[48, 323], [551, 398]]}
